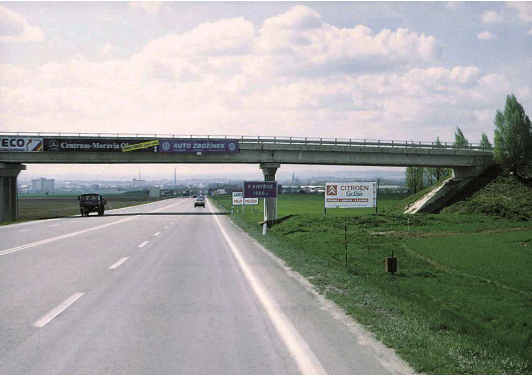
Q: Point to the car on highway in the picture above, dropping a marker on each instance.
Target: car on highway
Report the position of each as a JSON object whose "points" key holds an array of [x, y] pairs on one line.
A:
{"points": [[91, 203], [199, 201]]}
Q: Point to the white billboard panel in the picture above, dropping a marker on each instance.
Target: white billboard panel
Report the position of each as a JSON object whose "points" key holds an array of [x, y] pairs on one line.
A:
{"points": [[350, 194], [155, 192], [21, 144], [238, 197]]}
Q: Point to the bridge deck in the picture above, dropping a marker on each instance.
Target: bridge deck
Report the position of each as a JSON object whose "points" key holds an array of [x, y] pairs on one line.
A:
{"points": [[283, 150]]}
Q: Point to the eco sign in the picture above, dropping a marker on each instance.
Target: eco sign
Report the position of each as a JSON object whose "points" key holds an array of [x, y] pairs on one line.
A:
{"points": [[350, 194], [238, 199], [21, 144]]}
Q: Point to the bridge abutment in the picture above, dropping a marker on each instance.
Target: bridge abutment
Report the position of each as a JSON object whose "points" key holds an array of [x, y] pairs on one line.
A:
{"points": [[8, 190], [270, 204]]}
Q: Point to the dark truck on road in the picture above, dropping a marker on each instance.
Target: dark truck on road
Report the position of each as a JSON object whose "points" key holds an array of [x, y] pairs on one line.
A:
{"points": [[91, 203]]}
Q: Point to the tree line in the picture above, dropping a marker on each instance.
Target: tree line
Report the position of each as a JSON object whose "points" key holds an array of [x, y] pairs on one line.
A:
{"points": [[512, 147]]}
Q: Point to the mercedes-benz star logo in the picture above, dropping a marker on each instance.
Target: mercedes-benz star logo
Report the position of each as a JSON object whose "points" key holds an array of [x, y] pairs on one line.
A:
{"points": [[54, 145]]}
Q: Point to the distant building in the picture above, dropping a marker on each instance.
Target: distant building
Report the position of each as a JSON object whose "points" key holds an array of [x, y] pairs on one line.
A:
{"points": [[42, 185], [138, 183]]}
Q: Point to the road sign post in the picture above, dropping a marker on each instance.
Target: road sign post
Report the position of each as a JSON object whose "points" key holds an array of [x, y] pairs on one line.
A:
{"points": [[266, 190]]}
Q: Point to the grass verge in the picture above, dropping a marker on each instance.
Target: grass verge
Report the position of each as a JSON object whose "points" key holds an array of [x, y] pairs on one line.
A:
{"points": [[460, 302]]}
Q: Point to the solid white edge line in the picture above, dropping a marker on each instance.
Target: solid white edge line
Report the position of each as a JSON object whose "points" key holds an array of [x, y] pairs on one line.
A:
{"points": [[156, 234], [143, 244], [165, 227], [296, 345], [58, 310], [118, 264], [53, 239]]}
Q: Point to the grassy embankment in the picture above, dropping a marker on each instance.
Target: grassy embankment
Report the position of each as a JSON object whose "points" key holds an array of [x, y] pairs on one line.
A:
{"points": [[36, 207], [461, 301]]}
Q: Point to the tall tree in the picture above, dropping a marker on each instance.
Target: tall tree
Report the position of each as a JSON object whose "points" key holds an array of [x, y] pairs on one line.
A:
{"points": [[459, 138], [513, 140], [436, 174], [485, 142], [414, 178]]}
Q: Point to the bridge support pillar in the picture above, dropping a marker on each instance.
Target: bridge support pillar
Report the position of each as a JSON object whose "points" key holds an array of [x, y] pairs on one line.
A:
{"points": [[8, 190], [466, 172], [270, 204]]}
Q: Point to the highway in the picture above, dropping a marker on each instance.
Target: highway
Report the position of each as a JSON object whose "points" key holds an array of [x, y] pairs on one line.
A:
{"points": [[166, 288]]}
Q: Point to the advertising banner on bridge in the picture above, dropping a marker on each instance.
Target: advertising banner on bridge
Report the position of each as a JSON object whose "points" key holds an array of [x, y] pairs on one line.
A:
{"points": [[238, 199], [207, 146], [98, 145], [260, 189], [350, 194], [21, 144]]}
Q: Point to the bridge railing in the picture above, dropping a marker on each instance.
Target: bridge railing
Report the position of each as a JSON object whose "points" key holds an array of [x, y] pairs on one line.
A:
{"points": [[309, 141]]}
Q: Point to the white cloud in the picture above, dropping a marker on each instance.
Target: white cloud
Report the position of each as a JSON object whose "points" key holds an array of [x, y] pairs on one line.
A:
{"points": [[486, 35], [491, 17], [150, 7], [231, 77], [524, 9], [304, 43], [107, 49], [15, 28], [225, 37], [454, 5]]}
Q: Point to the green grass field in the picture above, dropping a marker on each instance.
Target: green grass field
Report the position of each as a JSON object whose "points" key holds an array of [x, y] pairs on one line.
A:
{"points": [[461, 301], [313, 204]]}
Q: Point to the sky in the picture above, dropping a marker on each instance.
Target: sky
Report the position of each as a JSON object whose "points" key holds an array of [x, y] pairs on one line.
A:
{"points": [[360, 70]]}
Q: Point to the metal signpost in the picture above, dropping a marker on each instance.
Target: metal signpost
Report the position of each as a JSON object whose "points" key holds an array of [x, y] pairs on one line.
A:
{"points": [[350, 195], [262, 189], [238, 199]]}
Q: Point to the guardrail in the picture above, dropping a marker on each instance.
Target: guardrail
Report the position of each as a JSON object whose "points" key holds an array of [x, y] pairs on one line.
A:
{"points": [[310, 141]]}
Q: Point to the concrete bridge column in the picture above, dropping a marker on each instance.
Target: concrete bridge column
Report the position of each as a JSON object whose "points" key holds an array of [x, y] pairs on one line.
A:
{"points": [[8, 190], [270, 204]]}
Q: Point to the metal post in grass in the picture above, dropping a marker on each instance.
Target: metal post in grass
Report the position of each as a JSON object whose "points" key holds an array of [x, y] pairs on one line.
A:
{"points": [[377, 197], [345, 239]]}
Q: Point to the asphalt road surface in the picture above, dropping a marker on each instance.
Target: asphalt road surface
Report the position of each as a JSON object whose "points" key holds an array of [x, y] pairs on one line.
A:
{"points": [[165, 288]]}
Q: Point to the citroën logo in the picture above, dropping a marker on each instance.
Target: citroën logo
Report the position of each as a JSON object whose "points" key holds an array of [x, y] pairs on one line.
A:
{"points": [[332, 190]]}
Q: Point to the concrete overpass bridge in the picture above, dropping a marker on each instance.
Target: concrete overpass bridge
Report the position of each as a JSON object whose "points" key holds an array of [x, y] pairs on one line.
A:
{"points": [[268, 152]]}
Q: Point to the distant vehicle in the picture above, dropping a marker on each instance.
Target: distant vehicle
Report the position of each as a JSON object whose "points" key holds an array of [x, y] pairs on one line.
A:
{"points": [[91, 203], [200, 201], [194, 196]]}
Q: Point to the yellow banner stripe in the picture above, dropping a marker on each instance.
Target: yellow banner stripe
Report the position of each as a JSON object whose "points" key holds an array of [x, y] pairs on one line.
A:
{"points": [[139, 146]]}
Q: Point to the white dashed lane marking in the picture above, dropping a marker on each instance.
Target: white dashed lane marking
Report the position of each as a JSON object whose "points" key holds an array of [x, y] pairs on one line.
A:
{"points": [[58, 310], [118, 264]]}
